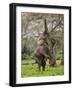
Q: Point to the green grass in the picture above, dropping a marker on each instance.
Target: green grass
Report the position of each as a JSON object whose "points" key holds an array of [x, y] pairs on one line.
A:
{"points": [[32, 70]]}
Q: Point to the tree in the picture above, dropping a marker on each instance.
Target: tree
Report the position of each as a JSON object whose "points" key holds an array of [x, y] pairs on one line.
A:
{"points": [[50, 25]]}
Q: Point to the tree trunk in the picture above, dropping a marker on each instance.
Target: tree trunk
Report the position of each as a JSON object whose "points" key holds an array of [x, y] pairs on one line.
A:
{"points": [[52, 62], [62, 60]]}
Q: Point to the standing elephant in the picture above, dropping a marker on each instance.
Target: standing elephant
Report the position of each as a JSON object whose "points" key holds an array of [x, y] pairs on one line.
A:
{"points": [[41, 54]]}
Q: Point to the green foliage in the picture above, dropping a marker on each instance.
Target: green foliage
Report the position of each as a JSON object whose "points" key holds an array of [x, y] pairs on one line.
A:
{"points": [[32, 70], [59, 55], [26, 56]]}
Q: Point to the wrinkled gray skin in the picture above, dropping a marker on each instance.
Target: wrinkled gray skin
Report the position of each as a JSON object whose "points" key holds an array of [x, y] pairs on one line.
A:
{"points": [[41, 54]]}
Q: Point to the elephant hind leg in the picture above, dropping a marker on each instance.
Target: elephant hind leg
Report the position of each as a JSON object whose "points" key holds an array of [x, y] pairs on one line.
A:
{"points": [[43, 68], [39, 67], [43, 65]]}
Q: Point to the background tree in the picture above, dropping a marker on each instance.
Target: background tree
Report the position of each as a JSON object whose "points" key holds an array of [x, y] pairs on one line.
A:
{"points": [[33, 25]]}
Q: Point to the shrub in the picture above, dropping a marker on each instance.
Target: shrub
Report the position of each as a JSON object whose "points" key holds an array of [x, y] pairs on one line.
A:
{"points": [[26, 56], [59, 55]]}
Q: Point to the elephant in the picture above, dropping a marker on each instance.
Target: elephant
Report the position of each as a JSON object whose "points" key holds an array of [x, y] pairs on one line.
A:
{"points": [[41, 54]]}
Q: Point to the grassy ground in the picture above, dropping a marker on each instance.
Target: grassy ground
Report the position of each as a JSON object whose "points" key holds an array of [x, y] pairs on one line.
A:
{"points": [[30, 70]]}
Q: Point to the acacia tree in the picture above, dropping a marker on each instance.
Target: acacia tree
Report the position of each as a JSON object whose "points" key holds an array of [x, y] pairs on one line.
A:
{"points": [[50, 25], [55, 37]]}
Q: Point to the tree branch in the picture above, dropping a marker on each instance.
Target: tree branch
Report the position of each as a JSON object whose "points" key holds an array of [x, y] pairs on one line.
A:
{"points": [[56, 26]]}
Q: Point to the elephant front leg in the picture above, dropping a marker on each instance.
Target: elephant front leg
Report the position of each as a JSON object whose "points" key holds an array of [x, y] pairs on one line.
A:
{"points": [[43, 68]]}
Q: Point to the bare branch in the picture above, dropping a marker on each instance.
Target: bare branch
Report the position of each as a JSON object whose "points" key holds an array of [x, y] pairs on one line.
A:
{"points": [[56, 26]]}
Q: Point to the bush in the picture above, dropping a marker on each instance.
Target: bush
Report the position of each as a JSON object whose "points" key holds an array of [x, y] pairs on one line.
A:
{"points": [[59, 55], [26, 56]]}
